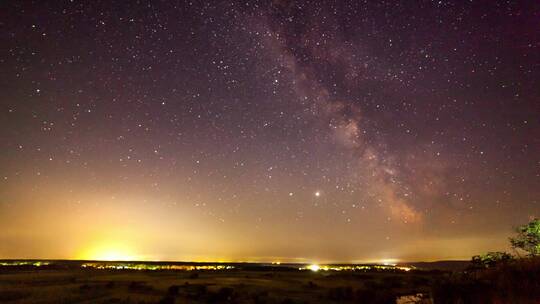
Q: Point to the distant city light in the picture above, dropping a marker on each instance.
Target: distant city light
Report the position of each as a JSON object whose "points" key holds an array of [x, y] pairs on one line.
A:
{"points": [[391, 262], [146, 266], [126, 265], [109, 251]]}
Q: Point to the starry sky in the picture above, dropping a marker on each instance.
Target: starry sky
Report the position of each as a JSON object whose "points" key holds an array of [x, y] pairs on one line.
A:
{"points": [[310, 131]]}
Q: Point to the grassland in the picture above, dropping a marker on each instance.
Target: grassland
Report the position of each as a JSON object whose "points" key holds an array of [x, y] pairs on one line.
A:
{"points": [[255, 284], [514, 281]]}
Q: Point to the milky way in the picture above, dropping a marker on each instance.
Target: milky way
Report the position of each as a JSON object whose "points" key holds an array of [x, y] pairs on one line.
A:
{"points": [[285, 130]]}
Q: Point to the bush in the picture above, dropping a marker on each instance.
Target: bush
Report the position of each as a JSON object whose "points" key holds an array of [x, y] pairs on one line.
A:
{"points": [[516, 282], [528, 238], [490, 259]]}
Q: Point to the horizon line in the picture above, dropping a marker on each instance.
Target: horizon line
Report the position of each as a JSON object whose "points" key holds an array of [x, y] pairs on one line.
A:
{"points": [[277, 263]]}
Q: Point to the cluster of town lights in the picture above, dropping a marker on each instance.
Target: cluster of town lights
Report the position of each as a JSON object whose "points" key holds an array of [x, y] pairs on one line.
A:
{"points": [[209, 267], [24, 263], [315, 267], [129, 266]]}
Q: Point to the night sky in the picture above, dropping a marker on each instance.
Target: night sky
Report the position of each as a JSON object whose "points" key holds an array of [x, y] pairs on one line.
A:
{"points": [[331, 131]]}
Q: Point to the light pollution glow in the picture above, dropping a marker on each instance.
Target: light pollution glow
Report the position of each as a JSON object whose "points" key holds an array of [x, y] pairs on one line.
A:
{"points": [[107, 229], [252, 131]]}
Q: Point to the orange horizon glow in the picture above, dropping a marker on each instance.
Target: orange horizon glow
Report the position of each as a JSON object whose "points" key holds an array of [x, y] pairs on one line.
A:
{"points": [[108, 251]]}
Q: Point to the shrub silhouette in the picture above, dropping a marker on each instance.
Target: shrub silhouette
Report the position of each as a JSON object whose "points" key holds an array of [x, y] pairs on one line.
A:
{"points": [[528, 238], [490, 259], [515, 282]]}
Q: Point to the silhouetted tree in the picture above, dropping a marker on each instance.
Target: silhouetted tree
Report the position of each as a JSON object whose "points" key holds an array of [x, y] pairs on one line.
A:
{"points": [[490, 259], [528, 238]]}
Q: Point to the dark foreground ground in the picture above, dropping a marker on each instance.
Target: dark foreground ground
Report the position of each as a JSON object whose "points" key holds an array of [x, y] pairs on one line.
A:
{"points": [[75, 284]]}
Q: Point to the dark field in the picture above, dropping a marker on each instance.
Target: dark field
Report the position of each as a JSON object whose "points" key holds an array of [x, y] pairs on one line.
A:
{"points": [[248, 284], [81, 282]]}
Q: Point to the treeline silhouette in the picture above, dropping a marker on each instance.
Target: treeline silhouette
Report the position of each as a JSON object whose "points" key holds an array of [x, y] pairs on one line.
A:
{"points": [[498, 277]]}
